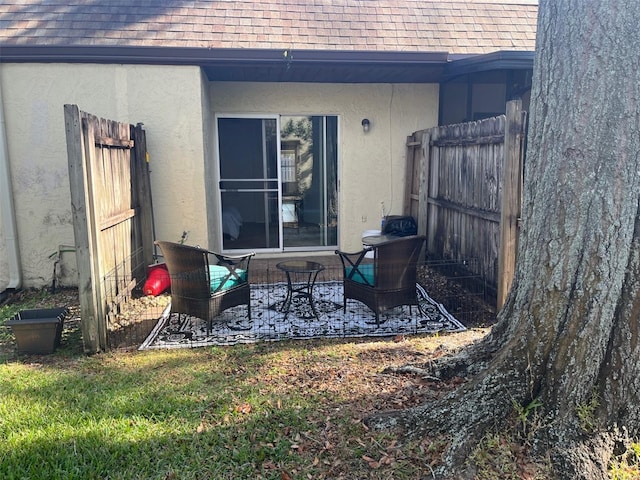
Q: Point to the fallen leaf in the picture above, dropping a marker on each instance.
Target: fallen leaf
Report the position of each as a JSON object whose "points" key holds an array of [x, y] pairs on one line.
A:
{"points": [[386, 460], [244, 408]]}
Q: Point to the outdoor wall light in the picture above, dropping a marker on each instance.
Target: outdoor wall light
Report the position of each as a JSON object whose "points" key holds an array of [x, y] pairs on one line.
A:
{"points": [[366, 124]]}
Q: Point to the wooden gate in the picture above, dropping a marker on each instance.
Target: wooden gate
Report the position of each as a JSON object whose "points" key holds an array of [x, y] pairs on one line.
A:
{"points": [[464, 187], [112, 217]]}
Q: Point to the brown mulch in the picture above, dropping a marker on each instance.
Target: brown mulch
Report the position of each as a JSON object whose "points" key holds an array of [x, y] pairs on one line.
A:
{"points": [[474, 308]]}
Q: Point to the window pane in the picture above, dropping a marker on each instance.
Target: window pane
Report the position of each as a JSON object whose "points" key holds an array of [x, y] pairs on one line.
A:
{"points": [[309, 183]]}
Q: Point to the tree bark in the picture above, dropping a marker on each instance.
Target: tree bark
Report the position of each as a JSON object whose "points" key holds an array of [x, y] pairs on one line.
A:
{"points": [[568, 334]]}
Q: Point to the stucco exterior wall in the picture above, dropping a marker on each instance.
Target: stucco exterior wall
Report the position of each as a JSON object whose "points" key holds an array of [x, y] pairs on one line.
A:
{"points": [[168, 100], [372, 165], [177, 105]]}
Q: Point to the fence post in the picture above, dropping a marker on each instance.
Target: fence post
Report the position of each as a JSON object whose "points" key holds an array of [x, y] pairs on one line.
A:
{"points": [[143, 193], [511, 198], [423, 193], [93, 337]]}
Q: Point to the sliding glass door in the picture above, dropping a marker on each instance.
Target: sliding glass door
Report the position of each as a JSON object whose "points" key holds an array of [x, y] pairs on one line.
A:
{"points": [[249, 178], [278, 182]]}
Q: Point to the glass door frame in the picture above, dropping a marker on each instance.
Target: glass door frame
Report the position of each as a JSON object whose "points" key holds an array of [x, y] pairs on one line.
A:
{"points": [[281, 248], [266, 191]]}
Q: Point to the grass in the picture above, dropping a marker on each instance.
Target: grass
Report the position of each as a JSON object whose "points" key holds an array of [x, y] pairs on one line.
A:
{"points": [[145, 416], [210, 413], [286, 410], [627, 465]]}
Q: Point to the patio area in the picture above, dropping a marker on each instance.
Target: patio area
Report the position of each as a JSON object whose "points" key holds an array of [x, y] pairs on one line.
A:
{"points": [[270, 323], [451, 303]]}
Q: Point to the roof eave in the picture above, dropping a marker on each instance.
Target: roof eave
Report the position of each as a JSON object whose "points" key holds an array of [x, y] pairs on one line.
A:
{"points": [[243, 64], [192, 55], [500, 60], [278, 65]]}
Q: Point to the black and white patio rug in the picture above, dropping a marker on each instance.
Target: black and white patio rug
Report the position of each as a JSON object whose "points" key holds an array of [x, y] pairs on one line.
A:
{"points": [[269, 324]]}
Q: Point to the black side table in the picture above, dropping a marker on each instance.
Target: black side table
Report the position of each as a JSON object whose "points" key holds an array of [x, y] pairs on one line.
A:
{"points": [[304, 275]]}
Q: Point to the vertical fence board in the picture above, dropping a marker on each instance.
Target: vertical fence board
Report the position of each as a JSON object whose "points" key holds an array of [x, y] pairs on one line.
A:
{"points": [[82, 213], [463, 193], [143, 193], [511, 199], [98, 204]]}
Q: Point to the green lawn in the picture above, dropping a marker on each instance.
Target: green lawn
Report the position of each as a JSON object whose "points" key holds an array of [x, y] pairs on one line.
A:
{"points": [[282, 411], [188, 414], [287, 410]]}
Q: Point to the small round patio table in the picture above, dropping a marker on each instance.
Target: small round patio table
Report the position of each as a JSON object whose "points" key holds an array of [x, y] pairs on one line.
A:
{"points": [[301, 277]]}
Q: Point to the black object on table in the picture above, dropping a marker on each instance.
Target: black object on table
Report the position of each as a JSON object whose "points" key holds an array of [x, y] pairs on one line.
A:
{"points": [[399, 226], [304, 275]]}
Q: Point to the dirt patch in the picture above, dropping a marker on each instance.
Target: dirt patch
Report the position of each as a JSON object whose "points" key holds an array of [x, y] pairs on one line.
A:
{"points": [[470, 304]]}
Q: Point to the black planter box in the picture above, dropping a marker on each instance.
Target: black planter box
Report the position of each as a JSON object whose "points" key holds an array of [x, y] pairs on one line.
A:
{"points": [[38, 331]]}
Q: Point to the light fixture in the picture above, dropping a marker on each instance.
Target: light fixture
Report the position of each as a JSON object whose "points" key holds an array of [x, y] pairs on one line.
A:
{"points": [[366, 124]]}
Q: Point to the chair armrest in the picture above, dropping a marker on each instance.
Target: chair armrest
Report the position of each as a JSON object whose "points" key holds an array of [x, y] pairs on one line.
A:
{"points": [[352, 259], [230, 271], [231, 258], [353, 268], [359, 252], [234, 261]]}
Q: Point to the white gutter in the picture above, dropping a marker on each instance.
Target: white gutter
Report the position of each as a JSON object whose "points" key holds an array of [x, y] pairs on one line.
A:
{"points": [[7, 213]]}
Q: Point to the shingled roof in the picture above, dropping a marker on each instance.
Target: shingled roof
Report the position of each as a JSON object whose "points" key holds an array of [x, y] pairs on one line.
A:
{"points": [[346, 41], [459, 27]]}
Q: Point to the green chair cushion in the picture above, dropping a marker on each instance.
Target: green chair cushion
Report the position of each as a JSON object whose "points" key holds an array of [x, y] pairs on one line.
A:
{"points": [[364, 274], [218, 274]]}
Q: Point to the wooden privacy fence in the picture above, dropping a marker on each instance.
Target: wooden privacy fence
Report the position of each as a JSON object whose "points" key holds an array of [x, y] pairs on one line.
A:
{"points": [[112, 216], [464, 187]]}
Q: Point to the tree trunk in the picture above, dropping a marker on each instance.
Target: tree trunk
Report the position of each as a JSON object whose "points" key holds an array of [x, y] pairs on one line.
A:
{"points": [[568, 334]]}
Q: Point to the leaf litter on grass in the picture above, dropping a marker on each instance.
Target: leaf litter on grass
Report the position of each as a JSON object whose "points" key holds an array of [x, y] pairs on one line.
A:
{"points": [[306, 401]]}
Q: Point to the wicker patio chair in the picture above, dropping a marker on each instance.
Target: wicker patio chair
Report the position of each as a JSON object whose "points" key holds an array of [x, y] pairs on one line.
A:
{"points": [[204, 289], [386, 282]]}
